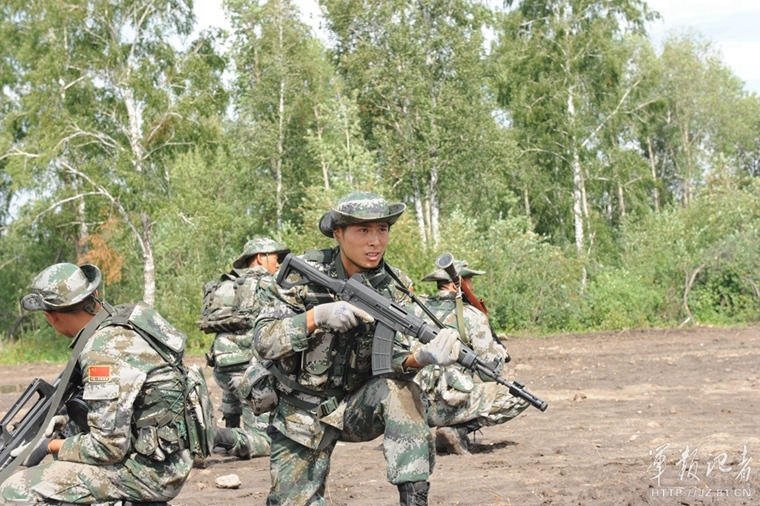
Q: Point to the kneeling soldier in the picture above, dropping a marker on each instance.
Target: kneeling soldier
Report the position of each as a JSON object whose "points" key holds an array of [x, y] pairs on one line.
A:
{"points": [[130, 442]]}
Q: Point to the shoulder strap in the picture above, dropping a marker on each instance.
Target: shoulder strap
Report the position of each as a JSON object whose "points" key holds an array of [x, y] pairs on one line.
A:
{"points": [[61, 386], [319, 255]]}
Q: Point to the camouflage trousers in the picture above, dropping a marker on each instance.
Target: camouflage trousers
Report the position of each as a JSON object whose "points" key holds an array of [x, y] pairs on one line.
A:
{"points": [[488, 403], [136, 479], [383, 406], [251, 439]]}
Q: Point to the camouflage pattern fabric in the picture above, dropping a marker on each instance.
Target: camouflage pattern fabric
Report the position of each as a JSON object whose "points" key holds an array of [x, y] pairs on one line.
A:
{"points": [[60, 286], [358, 207], [123, 379], [337, 367], [454, 394], [251, 439], [259, 245], [232, 353], [381, 407]]}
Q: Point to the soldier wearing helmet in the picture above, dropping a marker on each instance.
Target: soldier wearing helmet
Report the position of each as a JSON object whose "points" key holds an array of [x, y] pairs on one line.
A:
{"points": [[244, 434], [321, 348], [459, 402], [117, 450]]}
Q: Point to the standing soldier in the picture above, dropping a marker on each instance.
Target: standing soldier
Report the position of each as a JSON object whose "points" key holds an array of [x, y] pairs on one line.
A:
{"points": [[232, 305], [458, 403], [130, 442], [321, 348]]}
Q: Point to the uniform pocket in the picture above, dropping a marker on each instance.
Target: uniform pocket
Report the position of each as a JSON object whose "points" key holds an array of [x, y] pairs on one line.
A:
{"points": [[101, 399]]}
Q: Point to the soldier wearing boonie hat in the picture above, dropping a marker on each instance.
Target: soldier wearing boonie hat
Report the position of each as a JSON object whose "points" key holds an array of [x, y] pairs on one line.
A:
{"points": [[244, 435], [322, 347], [111, 452], [457, 404], [62, 288]]}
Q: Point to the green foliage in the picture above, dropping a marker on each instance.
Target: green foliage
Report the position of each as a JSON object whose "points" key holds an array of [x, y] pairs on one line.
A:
{"points": [[38, 344], [125, 148]]}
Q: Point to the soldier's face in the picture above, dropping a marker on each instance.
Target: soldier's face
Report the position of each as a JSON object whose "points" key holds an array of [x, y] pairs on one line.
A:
{"points": [[362, 246]]}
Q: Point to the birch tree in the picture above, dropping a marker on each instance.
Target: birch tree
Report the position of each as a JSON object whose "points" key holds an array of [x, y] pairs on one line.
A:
{"points": [[418, 71], [106, 98], [559, 68], [281, 77]]}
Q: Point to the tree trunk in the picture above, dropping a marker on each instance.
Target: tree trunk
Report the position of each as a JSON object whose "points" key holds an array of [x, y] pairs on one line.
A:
{"points": [[435, 210], [149, 268], [578, 189], [652, 165], [418, 210], [280, 149]]}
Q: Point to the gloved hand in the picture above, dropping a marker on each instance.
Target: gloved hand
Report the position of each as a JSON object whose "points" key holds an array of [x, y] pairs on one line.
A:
{"points": [[56, 423], [39, 452], [443, 350], [340, 316]]}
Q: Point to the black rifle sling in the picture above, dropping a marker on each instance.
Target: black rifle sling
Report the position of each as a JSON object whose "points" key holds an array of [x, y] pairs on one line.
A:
{"points": [[404, 290], [77, 347]]}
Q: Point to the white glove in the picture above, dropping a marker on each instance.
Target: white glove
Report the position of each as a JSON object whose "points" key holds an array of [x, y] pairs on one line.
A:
{"points": [[340, 316], [18, 450], [443, 350], [36, 456], [58, 421]]}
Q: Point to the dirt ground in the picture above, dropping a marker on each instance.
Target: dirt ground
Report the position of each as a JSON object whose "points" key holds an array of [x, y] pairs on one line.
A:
{"points": [[662, 417]]}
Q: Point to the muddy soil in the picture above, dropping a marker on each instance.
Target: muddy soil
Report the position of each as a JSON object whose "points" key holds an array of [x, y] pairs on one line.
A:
{"points": [[660, 417]]}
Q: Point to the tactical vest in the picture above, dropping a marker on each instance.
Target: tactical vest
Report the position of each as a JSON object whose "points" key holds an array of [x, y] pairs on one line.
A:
{"points": [[335, 364], [159, 414]]}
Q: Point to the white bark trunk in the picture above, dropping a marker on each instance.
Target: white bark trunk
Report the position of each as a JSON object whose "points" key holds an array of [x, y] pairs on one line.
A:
{"points": [[435, 208], [418, 210], [149, 268], [578, 189], [652, 164], [135, 134], [280, 137]]}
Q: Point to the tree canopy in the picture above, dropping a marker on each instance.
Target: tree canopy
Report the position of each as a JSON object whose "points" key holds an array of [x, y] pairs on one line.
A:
{"points": [[600, 181]]}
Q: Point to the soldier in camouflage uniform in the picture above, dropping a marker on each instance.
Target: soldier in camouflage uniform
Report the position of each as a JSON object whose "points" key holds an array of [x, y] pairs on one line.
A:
{"points": [[232, 352], [459, 402], [321, 348], [132, 446]]}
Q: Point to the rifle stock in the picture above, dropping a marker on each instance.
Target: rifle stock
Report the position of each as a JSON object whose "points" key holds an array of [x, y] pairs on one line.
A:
{"points": [[391, 317]]}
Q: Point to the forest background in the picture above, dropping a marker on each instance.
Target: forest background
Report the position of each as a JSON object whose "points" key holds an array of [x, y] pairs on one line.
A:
{"points": [[603, 183]]}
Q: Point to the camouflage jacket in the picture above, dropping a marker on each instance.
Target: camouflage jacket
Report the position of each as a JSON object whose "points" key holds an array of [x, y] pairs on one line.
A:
{"points": [[126, 386], [236, 348], [478, 333], [325, 365]]}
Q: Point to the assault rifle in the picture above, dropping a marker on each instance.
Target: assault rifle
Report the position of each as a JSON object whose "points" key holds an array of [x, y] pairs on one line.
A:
{"points": [[17, 429], [390, 318]]}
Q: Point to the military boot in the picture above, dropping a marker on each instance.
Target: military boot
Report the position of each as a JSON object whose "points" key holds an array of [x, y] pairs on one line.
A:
{"points": [[414, 493], [224, 440], [452, 440]]}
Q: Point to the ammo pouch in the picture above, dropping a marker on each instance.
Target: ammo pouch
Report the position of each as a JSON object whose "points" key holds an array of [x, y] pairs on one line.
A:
{"points": [[257, 387]]}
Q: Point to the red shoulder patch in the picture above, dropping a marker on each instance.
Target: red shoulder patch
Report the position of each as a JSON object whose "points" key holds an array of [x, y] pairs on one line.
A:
{"points": [[99, 373]]}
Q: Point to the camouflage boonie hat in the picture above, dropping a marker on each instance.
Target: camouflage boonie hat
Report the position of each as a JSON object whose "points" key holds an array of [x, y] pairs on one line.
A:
{"points": [[259, 245], [61, 286], [461, 267], [359, 207]]}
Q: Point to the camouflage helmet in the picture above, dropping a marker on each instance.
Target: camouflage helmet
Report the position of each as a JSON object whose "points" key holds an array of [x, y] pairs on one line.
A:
{"points": [[61, 286], [359, 207], [461, 267], [259, 245]]}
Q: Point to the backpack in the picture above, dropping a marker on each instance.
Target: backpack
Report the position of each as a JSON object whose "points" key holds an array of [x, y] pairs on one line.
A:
{"points": [[229, 303], [169, 342]]}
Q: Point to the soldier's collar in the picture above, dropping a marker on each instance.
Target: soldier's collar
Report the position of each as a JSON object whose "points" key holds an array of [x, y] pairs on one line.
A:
{"points": [[375, 277]]}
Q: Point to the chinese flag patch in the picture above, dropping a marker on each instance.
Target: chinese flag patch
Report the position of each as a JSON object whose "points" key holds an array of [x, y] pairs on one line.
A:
{"points": [[99, 373]]}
